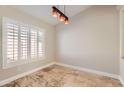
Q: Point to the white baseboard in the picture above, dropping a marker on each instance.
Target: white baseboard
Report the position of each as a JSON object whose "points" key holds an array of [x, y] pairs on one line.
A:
{"points": [[89, 70], [121, 80], [23, 74]]}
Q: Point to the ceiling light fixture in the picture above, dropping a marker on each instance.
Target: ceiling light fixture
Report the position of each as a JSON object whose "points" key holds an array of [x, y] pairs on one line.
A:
{"points": [[57, 13]]}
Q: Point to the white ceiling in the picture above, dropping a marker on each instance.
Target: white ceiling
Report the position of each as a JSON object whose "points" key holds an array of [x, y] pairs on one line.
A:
{"points": [[43, 12]]}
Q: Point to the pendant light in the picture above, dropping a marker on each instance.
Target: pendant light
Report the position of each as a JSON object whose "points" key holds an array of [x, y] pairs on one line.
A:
{"points": [[66, 21], [61, 18], [57, 13], [54, 13]]}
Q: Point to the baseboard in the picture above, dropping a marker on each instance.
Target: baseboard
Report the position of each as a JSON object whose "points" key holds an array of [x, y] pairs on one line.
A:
{"points": [[24, 74], [121, 80], [89, 70]]}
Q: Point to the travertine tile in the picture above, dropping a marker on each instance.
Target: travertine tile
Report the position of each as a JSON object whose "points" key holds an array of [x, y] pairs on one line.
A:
{"points": [[59, 76]]}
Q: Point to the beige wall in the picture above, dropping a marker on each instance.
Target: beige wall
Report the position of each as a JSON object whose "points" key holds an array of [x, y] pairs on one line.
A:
{"points": [[91, 40], [10, 12]]}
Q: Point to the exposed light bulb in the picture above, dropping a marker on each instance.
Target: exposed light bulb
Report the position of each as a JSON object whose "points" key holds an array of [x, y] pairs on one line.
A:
{"points": [[66, 21], [54, 13], [61, 18]]}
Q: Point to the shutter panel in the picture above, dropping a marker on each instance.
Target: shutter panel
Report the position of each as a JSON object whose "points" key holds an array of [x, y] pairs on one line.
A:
{"points": [[33, 43], [24, 42], [40, 44], [12, 42]]}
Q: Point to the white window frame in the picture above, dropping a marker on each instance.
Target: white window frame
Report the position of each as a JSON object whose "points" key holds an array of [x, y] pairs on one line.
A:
{"points": [[5, 64]]}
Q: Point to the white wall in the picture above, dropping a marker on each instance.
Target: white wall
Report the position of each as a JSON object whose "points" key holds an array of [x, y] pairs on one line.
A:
{"points": [[13, 13], [122, 70], [122, 43], [91, 40]]}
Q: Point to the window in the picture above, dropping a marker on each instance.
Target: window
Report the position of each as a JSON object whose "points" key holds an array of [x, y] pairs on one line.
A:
{"points": [[22, 43]]}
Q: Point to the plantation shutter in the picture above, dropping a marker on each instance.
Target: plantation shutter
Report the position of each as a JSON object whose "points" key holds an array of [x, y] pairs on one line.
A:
{"points": [[24, 30], [21, 43], [12, 42], [33, 43], [40, 44]]}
